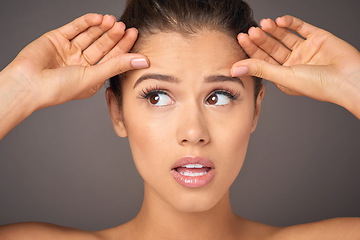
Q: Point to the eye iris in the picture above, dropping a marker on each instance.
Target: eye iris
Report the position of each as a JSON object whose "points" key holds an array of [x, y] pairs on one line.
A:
{"points": [[154, 99], [213, 99]]}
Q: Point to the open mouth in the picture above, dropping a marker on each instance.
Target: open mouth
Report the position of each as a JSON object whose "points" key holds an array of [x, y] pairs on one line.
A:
{"points": [[193, 170]]}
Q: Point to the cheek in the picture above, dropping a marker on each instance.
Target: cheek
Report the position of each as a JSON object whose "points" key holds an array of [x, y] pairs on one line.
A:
{"points": [[231, 141], [153, 139], [237, 144], [150, 139], [238, 132], [146, 135]]}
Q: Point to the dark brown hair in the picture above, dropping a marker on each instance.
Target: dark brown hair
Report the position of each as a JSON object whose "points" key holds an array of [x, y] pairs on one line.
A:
{"points": [[186, 17]]}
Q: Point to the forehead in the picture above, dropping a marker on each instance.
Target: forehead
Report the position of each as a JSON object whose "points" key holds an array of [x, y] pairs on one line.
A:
{"points": [[200, 53]]}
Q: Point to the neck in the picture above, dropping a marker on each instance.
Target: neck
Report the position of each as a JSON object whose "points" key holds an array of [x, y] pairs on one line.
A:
{"points": [[159, 220]]}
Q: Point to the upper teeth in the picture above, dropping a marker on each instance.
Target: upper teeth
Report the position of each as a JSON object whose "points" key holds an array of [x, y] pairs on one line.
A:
{"points": [[193, 166]]}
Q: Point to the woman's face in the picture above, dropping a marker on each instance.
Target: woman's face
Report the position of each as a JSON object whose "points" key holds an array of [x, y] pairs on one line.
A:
{"points": [[185, 109]]}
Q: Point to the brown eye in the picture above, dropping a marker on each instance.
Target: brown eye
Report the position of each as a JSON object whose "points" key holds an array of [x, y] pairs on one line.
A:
{"points": [[154, 99], [159, 99], [212, 100], [220, 98]]}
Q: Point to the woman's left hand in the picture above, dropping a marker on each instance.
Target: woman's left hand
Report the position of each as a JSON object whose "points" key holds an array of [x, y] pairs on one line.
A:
{"points": [[316, 64]]}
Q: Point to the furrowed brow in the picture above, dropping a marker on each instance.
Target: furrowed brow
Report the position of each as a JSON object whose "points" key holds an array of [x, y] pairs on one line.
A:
{"points": [[222, 78], [160, 77]]}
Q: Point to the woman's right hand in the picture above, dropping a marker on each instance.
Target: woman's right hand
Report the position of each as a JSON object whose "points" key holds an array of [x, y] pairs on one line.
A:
{"points": [[71, 62], [74, 61]]}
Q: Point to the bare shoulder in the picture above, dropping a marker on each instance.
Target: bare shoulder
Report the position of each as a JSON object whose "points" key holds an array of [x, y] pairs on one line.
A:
{"points": [[29, 231], [335, 228], [248, 229]]}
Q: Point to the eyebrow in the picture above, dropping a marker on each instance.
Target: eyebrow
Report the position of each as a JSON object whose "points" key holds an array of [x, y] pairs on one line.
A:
{"points": [[222, 78], [169, 78], [160, 77]]}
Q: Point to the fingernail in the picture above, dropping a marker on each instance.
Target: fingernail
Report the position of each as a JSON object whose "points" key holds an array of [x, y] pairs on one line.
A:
{"points": [[139, 63], [240, 71]]}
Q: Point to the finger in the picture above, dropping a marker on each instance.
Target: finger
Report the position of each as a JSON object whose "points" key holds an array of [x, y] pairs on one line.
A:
{"points": [[287, 91], [297, 25], [80, 24], [252, 50], [116, 65], [84, 39], [283, 77], [284, 35], [269, 45], [307, 80], [103, 45], [261, 69], [123, 46], [95, 76]]}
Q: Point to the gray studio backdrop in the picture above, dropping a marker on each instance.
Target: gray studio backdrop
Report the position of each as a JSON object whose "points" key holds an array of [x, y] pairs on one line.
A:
{"points": [[65, 165]]}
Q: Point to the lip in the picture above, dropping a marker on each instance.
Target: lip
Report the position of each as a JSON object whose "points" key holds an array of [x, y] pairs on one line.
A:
{"points": [[193, 181]]}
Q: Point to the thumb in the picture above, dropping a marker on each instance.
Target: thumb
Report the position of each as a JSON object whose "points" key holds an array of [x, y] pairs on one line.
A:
{"points": [[282, 76], [122, 63], [259, 68]]}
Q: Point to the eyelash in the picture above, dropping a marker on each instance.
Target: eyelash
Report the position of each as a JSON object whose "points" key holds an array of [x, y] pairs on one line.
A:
{"points": [[149, 91], [226, 92]]}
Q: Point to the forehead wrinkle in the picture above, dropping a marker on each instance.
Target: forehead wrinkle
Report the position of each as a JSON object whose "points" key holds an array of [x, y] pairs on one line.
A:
{"points": [[149, 45], [169, 78]]}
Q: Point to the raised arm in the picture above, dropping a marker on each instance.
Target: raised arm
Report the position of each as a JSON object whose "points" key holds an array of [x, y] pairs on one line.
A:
{"points": [[316, 64], [71, 62]]}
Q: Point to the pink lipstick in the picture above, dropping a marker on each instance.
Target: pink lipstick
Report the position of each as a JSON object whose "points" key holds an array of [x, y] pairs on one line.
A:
{"points": [[193, 171]]}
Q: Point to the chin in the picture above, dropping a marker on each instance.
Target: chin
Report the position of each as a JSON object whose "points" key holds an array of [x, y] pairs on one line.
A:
{"points": [[194, 208], [195, 202]]}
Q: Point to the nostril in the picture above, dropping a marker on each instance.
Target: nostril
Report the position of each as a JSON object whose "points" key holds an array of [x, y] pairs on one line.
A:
{"points": [[194, 140]]}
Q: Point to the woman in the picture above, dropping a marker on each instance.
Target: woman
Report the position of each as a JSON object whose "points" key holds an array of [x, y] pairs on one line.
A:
{"points": [[188, 118]]}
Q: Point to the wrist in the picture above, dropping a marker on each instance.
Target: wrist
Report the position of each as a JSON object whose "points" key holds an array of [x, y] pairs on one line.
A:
{"points": [[349, 94], [16, 92]]}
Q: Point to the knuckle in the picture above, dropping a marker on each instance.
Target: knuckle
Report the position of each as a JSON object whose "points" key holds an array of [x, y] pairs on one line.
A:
{"points": [[299, 25], [75, 27], [91, 34], [120, 69], [87, 59], [88, 17], [274, 48], [101, 48], [259, 71], [95, 89]]}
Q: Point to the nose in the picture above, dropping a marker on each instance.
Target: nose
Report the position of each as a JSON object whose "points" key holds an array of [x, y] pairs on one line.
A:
{"points": [[192, 128]]}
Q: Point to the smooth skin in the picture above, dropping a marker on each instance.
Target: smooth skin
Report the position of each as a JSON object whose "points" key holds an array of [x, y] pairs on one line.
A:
{"points": [[162, 132], [25, 87]]}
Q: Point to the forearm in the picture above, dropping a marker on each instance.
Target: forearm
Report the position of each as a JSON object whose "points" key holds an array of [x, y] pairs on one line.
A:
{"points": [[16, 102]]}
